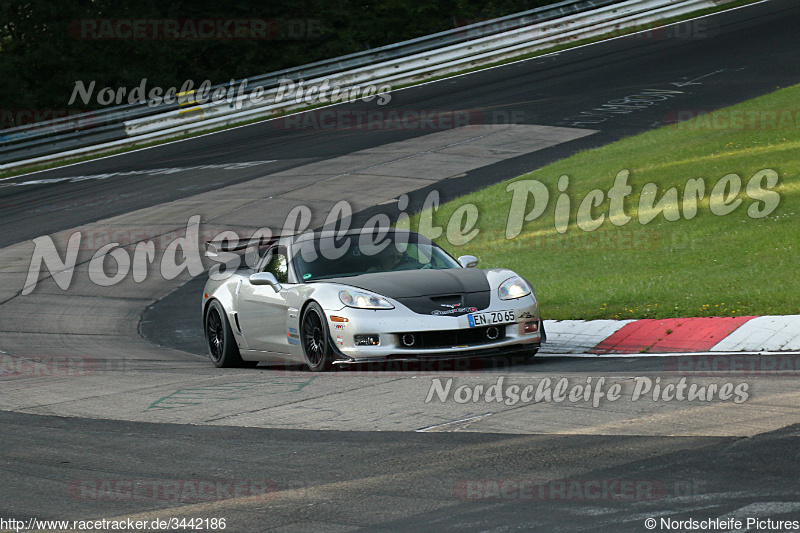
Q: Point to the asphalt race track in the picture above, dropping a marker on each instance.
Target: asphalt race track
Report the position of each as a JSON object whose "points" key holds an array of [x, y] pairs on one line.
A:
{"points": [[734, 57], [101, 422]]}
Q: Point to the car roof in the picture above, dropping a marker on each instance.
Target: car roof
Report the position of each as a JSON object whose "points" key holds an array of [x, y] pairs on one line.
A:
{"points": [[331, 234]]}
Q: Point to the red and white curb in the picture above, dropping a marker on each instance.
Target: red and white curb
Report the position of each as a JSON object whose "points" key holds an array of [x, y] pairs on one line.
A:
{"points": [[673, 335]]}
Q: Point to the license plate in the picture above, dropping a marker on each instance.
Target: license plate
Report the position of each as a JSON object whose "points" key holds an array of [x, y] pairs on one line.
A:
{"points": [[489, 318]]}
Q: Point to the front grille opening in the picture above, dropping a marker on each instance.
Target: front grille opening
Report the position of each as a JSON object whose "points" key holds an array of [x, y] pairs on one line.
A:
{"points": [[452, 337], [450, 299]]}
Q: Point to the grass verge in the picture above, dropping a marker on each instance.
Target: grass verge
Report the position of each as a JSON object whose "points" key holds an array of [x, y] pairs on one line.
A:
{"points": [[743, 262]]}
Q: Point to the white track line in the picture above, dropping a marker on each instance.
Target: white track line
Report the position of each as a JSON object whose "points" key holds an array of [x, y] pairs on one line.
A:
{"points": [[671, 354], [442, 427]]}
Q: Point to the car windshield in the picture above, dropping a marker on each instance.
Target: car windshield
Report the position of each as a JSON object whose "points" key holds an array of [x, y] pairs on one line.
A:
{"points": [[351, 257]]}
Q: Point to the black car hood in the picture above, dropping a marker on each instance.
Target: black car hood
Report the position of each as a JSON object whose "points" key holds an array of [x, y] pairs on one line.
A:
{"points": [[415, 283]]}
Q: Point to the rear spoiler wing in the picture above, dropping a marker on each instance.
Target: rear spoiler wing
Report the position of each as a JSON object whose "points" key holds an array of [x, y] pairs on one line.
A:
{"points": [[213, 248]]}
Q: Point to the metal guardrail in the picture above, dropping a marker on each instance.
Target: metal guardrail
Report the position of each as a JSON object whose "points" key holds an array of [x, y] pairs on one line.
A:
{"points": [[406, 62], [106, 124]]}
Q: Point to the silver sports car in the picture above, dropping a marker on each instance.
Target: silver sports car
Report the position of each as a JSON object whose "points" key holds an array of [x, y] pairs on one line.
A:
{"points": [[325, 299]]}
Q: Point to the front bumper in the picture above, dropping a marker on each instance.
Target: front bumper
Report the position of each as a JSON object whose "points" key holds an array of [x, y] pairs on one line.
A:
{"points": [[342, 359], [390, 326]]}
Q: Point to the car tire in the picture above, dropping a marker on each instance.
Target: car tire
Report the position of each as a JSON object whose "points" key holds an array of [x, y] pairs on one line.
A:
{"points": [[222, 346], [315, 339]]}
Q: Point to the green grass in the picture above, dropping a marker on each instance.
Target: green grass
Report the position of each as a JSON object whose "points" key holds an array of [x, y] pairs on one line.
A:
{"points": [[137, 145], [709, 265]]}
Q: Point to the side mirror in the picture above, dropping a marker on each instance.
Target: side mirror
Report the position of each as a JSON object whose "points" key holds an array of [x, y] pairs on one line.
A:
{"points": [[468, 261], [265, 278]]}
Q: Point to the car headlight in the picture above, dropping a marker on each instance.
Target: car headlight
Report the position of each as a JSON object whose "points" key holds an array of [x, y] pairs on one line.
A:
{"points": [[364, 300], [513, 288]]}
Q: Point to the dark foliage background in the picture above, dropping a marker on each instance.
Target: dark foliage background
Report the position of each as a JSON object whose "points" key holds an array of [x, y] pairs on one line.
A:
{"points": [[41, 59]]}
